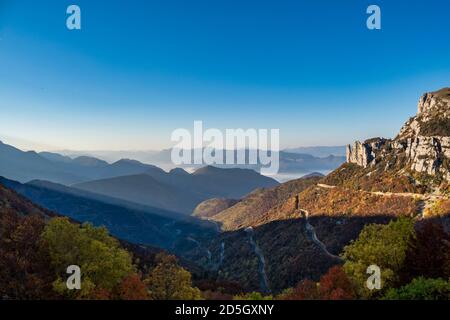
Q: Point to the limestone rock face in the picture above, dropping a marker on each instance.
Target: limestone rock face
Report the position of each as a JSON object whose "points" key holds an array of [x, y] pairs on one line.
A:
{"points": [[432, 119], [429, 101], [424, 140], [364, 153], [427, 154]]}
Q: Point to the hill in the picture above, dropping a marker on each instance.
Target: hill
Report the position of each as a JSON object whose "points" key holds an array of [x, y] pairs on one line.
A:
{"points": [[146, 190], [109, 200], [12, 201], [136, 226], [256, 208], [177, 190], [230, 183], [37, 245]]}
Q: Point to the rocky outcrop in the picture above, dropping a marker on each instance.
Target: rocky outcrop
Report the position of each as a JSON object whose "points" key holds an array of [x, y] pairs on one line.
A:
{"points": [[429, 154], [364, 154], [423, 142], [432, 118], [432, 100]]}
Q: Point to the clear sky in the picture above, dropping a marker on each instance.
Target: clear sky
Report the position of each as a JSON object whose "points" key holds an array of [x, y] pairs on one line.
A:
{"points": [[140, 69]]}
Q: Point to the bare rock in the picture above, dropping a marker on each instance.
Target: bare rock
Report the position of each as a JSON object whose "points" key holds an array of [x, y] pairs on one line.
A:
{"points": [[424, 140]]}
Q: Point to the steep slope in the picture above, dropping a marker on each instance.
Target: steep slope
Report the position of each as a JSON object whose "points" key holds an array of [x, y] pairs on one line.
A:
{"points": [[256, 208], [110, 200], [12, 201], [211, 207], [287, 247], [132, 225], [146, 190]]}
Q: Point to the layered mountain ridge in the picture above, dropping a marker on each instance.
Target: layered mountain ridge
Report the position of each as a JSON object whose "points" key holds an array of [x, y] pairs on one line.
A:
{"points": [[178, 190]]}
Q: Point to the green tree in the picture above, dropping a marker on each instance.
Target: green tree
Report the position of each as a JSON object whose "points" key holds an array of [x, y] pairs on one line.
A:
{"points": [[381, 245], [421, 289], [169, 281], [103, 263]]}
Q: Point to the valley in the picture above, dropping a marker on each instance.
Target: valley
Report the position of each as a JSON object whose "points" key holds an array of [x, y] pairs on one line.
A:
{"points": [[237, 231]]}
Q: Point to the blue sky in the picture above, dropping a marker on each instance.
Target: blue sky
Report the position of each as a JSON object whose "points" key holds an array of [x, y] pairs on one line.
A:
{"points": [[140, 69]]}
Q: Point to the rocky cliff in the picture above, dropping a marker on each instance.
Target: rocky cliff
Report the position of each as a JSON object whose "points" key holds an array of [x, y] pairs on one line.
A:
{"points": [[422, 146]]}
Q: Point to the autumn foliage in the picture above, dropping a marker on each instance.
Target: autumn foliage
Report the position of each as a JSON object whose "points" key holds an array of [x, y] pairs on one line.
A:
{"points": [[34, 255], [132, 288], [25, 270], [346, 202], [334, 285]]}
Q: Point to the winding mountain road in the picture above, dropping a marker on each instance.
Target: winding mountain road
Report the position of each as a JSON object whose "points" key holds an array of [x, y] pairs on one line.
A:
{"points": [[263, 280], [311, 232], [426, 200], [221, 255]]}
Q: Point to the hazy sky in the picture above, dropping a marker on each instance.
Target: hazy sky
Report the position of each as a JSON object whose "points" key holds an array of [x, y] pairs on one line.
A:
{"points": [[140, 69]]}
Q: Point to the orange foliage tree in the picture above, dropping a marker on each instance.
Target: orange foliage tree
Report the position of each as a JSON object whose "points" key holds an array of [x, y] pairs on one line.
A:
{"points": [[132, 288], [334, 285]]}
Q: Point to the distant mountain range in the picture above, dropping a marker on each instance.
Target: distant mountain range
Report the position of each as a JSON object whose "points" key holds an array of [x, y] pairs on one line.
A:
{"points": [[130, 180], [301, 160], [78, 167], [178, 190], [319, 152], [26, 166]]}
